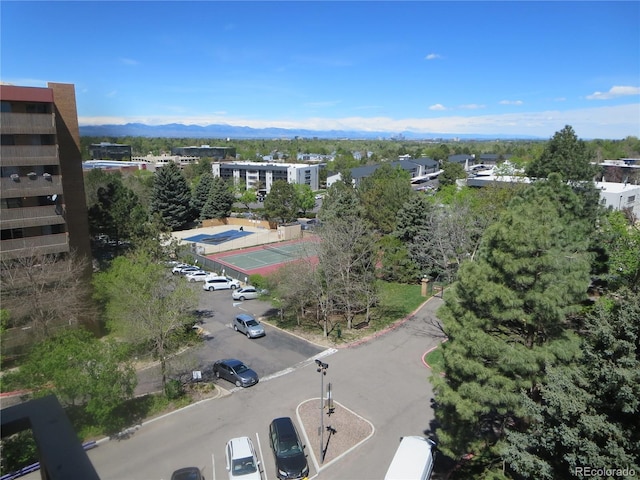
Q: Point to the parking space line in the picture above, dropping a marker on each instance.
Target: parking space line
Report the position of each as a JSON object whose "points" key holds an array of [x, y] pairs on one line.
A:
{"points": [[264, 470], [213, 467]]}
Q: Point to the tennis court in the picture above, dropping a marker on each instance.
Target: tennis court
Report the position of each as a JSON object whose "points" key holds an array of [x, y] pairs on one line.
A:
{"points": [[218, 238], [267, 258]]}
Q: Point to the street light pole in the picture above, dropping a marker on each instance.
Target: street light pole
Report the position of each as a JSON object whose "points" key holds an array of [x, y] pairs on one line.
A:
{"points": [[322, 370]]}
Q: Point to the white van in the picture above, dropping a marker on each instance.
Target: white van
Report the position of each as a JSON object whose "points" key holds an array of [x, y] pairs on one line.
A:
{"points": [[220, 283], [413, 460]]}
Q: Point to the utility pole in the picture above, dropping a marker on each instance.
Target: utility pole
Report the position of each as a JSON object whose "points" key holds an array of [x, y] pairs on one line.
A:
{"points": [[322, 370]]}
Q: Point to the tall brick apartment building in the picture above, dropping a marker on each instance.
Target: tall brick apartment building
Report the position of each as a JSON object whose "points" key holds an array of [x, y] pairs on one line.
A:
{"points": [[41, 186]]}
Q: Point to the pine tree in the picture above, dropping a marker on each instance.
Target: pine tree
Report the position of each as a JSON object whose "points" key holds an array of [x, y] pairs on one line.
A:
{"points": [[506, 318], [201, 193], [219, 202], [564, 154], [172, 197], [587, 413]]}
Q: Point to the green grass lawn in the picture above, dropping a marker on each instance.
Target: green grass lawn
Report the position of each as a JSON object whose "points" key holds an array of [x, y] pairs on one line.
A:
{"points": [[435, 360]]}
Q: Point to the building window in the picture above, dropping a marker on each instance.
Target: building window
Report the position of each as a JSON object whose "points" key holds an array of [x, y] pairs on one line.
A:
{"points": [[631, 199]]}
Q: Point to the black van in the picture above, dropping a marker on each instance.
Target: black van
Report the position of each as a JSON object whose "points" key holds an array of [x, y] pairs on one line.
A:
{"points": [[291, 462]]}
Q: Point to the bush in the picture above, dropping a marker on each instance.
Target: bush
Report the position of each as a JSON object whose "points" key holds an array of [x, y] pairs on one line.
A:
{"points": [[173, 390]]}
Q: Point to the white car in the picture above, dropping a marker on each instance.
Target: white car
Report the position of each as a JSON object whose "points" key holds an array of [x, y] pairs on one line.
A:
{"points": [[176, 268], [220, 283], [245, 293], [199, 276], [242, 461]]}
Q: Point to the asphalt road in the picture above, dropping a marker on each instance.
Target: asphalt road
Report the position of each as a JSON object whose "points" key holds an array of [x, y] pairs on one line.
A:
{"points": [[383, 380]]}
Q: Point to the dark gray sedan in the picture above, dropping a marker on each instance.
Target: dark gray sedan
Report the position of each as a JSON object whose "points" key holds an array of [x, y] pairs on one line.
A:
{"points": [[235, 372]]}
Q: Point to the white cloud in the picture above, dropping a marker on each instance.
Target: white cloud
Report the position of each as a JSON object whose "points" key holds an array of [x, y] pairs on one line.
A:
{"points": [[615, 122], [128, 61], [433, 56], [472, 106], [510, 102], [437, 107], [112, 93], [614, 92]]}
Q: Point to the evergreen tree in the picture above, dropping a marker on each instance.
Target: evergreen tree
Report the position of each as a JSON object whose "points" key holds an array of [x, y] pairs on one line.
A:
{"points": [[172, 197], [281, 204], [506, 318], [220, 201], [566, 155], [340, 201], [587, 413], [383, 194], [201, 193]]}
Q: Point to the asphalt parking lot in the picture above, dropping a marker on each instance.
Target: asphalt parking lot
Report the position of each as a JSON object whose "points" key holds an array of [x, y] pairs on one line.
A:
{"points": [[276, 352]]}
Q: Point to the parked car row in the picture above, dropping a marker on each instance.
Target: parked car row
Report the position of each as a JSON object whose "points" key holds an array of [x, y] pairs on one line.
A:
{"points": [[242, 460]]}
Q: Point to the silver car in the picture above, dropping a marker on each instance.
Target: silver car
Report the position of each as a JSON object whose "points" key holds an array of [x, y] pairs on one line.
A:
{"points": [[248, 325], [245, 293]]}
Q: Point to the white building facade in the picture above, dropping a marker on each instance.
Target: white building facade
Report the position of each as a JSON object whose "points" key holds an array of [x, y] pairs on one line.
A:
{"points": [[260, 176]]}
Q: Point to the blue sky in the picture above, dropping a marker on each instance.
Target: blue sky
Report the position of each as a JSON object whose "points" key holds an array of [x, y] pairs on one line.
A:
{"points": [[525, 68]]}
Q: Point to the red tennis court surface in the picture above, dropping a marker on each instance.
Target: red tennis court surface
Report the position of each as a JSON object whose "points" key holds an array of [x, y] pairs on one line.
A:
{"points": [[265, 259]]}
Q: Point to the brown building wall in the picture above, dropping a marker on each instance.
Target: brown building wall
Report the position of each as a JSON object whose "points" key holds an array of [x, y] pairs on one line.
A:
{"points": [[70, 155]]}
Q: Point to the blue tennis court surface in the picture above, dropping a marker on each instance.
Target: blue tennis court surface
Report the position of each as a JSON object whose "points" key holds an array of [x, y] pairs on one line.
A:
{"points": [[218, 238]]}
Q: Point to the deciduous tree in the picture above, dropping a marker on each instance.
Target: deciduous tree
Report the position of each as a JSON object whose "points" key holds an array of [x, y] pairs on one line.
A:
{"points": [[143, 305], [81, 370]]}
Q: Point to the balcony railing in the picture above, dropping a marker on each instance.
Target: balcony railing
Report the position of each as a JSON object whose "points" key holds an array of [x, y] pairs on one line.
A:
{"points": [[27, 186], [28, 123], [30, 216], [45, 244], [18, 155]]}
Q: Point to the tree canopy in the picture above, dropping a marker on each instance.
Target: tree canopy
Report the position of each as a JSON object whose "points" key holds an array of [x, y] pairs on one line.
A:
{"points": [[506, 318], [281, 203], [172, 197], [566, 155], [143, 305]]}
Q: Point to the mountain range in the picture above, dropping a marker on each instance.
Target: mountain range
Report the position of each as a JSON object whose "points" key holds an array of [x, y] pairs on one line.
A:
{"points": [[179, 130]]}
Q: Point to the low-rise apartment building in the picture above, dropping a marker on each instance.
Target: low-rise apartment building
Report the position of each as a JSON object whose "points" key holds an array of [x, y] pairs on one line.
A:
{"points": [[260, 176]]}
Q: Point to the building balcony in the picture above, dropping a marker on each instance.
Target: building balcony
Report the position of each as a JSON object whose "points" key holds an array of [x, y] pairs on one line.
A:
{"points": [[25, 247], [19, 155], [30, 216], [30, 185], [28, 123]]}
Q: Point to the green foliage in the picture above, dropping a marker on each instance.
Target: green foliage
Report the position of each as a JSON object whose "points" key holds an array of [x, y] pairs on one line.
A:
{"points": [[220, 200], [451, 171], [305, 198], [621, 241], [397, 265], [201, 193], [566, 155], [383, 194], [173, 389], [506, 319], [18, 451], [144, 306], [117, 211], [258, 280], [281, 204], [81, 370], [340, 201], [172, 197], [586, 413]]}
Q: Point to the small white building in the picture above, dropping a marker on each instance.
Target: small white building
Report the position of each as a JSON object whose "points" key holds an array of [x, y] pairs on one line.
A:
{"points": [[620, 196]]}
